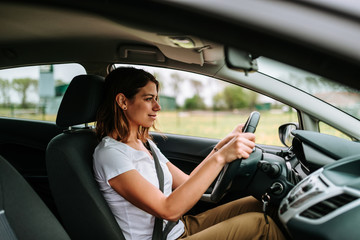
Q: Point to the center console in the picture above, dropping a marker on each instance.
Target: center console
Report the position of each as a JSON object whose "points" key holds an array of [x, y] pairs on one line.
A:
{"points": [[326, 204]]}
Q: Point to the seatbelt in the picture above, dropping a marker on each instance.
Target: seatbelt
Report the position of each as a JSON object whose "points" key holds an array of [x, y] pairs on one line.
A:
{"points": [[158, 233]]}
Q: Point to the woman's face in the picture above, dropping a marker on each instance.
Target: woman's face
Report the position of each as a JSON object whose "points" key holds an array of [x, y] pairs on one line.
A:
{"points": [[142, 109]]}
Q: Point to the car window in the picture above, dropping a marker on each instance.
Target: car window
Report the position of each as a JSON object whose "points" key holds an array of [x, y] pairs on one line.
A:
{"points": [[327, 129], [35, 92], [201, 106], [343, 97]]}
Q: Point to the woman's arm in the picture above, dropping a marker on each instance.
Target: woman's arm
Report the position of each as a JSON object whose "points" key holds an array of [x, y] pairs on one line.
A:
{"points": [[179, 177], [137, 190], [141, 193]]}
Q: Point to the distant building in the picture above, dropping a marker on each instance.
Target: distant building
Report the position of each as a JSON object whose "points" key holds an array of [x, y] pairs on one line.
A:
{"points": [[167, 103], [49, 98]]}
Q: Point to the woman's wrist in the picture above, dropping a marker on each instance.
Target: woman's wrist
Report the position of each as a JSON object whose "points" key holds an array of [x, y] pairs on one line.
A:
{"points": [[219, 156]]}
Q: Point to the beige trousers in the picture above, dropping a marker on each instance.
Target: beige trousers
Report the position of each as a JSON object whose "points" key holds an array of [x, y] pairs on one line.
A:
{"points": [[240, 219]]}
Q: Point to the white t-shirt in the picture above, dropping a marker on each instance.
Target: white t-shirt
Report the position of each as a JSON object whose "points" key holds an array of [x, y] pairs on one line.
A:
{"points": [[112, 158]]}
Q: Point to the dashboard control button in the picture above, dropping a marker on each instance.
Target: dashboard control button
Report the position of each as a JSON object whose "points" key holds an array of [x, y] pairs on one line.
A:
{"points": [[307, 187], [283, 208], [291, 199]]}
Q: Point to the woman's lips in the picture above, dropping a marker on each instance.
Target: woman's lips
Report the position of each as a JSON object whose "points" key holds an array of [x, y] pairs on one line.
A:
{"points": [[152, 116]]}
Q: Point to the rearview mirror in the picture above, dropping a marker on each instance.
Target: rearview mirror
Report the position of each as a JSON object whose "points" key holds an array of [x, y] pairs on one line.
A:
{"points": [[285, 133], [240, 60]]}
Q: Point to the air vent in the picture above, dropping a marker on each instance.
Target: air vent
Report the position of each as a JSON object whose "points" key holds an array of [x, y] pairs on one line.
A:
{"points": [[325, 207]]}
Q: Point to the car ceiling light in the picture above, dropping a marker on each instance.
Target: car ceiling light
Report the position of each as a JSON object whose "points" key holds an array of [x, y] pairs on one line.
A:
{"points": [[184, 42]]}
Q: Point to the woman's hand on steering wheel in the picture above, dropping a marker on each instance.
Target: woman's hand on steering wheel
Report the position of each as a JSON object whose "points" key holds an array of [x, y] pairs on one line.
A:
{"points": [[237, 130], [237, 146]]}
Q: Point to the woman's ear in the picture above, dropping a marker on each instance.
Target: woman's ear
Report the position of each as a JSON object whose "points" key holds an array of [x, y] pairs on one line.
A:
{"points": [[121, 100]]}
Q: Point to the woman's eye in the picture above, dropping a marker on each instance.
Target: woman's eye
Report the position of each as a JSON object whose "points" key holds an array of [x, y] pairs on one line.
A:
{"points": [[148, 99]]}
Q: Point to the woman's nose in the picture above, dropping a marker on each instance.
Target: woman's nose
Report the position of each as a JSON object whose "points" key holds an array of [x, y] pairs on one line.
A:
{"points": [[156, 106]]}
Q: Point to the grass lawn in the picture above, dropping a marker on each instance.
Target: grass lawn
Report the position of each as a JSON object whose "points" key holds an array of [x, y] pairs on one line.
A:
{"points": [[217, 125]]}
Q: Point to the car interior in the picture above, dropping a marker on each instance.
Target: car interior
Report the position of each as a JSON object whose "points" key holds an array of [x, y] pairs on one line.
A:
{"points": [[23, 214], [47, 186]]}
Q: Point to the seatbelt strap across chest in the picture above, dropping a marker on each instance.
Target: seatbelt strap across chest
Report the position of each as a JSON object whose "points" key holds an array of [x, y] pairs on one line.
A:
{"points": [[158, 233]]}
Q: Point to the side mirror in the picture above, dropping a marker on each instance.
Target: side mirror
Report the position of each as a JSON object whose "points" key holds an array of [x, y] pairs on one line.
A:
{"points": [[285, 133]]}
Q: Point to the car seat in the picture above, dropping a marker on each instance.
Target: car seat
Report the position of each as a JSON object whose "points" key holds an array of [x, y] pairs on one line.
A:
{"points": [[82, 208], [23, 215]]}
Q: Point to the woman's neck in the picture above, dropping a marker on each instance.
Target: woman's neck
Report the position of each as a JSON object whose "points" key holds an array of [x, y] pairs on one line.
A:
{"points": [[133, 136], [135, 143]]}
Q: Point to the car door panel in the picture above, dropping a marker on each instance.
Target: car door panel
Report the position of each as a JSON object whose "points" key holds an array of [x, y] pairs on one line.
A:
{"points": [[23, 144], [186, 152]]}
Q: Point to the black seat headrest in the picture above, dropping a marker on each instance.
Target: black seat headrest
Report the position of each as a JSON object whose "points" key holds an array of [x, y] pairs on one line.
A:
{"points": [[81, 101]]}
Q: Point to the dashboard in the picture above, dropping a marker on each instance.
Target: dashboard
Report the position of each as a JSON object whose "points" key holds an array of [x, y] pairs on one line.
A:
{"points": [[326, 203]]}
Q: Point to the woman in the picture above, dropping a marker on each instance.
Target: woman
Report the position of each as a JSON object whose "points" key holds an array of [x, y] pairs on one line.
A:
{"points": [[125, 170]]}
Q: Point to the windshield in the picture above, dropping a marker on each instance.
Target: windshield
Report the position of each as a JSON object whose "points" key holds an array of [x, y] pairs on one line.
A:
{"points": [[340, 96]]}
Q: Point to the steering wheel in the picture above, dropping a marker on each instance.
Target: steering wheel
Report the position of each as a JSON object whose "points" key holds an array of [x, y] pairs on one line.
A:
{"points": [[229, 171]]}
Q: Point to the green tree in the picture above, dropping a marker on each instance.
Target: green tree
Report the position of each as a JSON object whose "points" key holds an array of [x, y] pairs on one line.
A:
{"points": [[252, 97], [5, 88], [235, 97], [22, 85], [194, 103], [219, 101]]}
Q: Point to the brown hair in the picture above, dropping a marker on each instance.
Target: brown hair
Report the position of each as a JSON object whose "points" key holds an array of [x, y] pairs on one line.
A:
{"points": [[110, 117]]}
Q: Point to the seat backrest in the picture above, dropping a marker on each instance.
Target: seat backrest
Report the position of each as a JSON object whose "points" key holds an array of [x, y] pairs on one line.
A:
{"points": [[82, 208], [23, 215]]}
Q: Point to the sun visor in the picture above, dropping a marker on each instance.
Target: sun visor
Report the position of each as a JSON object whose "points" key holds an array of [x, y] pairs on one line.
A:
{"points": [[182, 54], [144, 53]]}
